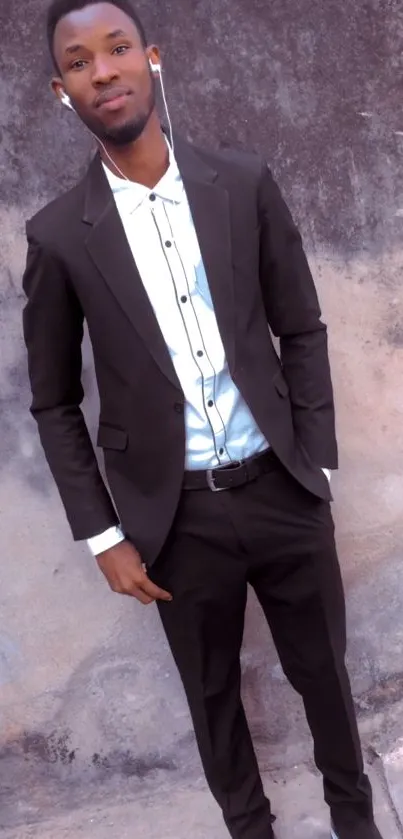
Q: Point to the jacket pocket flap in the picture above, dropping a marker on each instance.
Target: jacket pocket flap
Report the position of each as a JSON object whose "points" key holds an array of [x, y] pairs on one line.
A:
{"points": [[112, 438], [280, 384]]}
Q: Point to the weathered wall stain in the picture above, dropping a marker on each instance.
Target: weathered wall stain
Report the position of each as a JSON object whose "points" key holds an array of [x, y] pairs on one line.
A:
{"points": [[48, 749], [89, 696]]}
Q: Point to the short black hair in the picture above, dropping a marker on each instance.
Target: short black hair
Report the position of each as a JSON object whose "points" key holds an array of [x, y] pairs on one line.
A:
{"points": [[58, 9]]}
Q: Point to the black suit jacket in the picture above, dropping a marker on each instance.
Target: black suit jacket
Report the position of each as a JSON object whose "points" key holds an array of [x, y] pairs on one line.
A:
{"points": [[79, 266]]}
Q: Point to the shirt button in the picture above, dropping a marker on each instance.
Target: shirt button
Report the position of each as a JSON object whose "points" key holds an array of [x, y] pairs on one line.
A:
{"points": [[168, 244], [152, 196], [179, 407], [221, 451], [184, 299], [210, 403], [200, 353]]}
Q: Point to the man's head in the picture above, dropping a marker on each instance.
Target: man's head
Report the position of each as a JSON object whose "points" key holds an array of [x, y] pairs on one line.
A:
{"points": [[101, 57]]}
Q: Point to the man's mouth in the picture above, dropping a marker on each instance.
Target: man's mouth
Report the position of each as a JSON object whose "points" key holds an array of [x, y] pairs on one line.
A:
{"points": [[113, 99]]}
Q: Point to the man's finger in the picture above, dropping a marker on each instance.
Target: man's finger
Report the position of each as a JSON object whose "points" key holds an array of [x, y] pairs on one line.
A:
{"points": [[154, 591], [140, 595]]}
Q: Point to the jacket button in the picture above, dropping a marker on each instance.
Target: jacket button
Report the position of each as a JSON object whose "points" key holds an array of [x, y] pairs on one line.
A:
{"points": [[179, 408]]}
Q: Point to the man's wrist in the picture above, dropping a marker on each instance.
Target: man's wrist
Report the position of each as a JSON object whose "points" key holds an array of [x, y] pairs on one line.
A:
{"points": [[106, 540]]}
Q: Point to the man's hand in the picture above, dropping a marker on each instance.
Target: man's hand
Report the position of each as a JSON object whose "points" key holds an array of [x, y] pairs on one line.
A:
{"points": [[126, 574]]}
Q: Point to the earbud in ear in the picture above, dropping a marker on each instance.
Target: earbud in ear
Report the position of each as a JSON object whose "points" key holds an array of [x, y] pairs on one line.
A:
{"points": [[155, 68], [65, 99]]}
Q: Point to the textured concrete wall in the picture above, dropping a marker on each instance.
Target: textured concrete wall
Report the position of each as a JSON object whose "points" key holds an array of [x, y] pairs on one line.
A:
{"points": [[88, 691]]}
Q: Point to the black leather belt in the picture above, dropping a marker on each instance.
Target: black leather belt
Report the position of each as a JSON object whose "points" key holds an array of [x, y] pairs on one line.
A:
{"points": [[231, 475]]}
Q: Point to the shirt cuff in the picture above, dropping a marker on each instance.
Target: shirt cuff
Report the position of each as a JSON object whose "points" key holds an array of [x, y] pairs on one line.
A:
{"points": [[106, 540], [328, 473]]}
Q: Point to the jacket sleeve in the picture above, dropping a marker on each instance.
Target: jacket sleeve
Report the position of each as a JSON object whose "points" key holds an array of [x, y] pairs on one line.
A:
{"points": [[53, 331], [294, 316]]}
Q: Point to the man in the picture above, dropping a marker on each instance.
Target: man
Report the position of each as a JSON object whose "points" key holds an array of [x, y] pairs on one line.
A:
{"points": [[215, 450]]}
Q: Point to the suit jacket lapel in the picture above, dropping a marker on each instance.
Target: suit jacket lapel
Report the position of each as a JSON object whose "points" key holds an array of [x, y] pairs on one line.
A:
{"points": [[111, 253]]}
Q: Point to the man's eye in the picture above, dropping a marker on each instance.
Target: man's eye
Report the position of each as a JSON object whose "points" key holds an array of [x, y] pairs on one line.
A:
{"points": [[121, 49], [78, 65]]}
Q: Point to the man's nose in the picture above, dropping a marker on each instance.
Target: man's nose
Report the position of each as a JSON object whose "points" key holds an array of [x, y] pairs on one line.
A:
{"points": [[104, 71]]}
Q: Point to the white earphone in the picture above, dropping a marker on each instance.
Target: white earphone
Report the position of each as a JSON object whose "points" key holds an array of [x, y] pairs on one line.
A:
{"points": [[156, 68], [65, 100]]}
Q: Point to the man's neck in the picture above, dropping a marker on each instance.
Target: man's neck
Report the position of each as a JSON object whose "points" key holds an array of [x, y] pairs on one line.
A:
{"points": [[143, 162]]}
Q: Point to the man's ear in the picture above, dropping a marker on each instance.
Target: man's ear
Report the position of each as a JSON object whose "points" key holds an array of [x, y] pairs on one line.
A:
{"points": [[154, 54], [57, 87]]}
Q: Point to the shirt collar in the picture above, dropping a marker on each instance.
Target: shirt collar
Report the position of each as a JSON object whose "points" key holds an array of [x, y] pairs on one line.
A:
{"points": [[169, 188]]}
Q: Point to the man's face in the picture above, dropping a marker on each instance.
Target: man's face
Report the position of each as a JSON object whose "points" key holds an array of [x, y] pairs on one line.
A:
{"points": [[105, 71]]}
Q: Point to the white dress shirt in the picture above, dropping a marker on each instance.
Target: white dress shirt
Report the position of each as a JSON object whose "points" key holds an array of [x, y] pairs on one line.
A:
{"points": [[162, 237]]}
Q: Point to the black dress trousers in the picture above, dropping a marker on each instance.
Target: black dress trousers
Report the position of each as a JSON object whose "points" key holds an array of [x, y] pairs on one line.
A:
{"points": [[279, 538]]}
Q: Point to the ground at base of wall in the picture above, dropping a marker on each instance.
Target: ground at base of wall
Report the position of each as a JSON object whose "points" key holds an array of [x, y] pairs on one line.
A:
{"points": [[183, 812]]}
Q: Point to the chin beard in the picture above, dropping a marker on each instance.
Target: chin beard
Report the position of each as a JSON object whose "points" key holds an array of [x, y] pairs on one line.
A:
{"points": [[124, 135]]}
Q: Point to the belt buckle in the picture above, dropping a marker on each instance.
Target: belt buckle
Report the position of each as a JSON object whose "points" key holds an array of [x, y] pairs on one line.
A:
{"points": [[235, 464], [211, 482]]}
